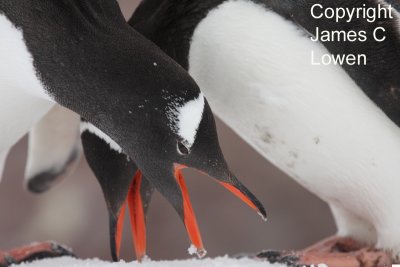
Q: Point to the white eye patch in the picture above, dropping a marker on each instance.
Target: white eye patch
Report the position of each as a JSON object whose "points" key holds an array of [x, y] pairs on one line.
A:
{"points": [[185, 119]]}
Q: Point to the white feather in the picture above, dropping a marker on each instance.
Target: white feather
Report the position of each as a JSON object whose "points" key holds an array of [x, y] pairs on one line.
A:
{"points": [[313, 122], [189, 118], [86, 126], [16, 67], [23, 99]]}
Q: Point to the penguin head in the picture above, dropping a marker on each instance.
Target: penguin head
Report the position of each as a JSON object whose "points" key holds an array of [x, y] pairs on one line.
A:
{"points": [[185, 136], [181, 134]]}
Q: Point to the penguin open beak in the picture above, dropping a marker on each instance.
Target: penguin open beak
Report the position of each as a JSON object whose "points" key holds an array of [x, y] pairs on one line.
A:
{"points": [[123, 187], [134, 194], [138, 226], [232, 184], [127, 188], [189, 215], [170, 182], [136, 200]]}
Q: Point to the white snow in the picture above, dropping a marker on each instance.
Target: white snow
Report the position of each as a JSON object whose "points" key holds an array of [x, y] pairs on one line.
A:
{"points": [[192, 250], [201, 253], [217, 262]]}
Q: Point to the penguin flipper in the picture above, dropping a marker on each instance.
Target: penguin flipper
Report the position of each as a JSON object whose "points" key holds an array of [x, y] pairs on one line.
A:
{"points": [[54, 149]]}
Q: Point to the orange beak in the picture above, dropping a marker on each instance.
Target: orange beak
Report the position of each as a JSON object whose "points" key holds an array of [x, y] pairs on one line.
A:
{"points": [[244, 198], [137, 219], [137, 215], [190, 218]]}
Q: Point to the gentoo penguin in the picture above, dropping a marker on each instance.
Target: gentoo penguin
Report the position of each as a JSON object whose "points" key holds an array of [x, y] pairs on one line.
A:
{"points": [[333, 128], [82, 55]]}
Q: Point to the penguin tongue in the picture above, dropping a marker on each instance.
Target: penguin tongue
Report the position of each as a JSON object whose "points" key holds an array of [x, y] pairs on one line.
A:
{"points": [[189, 216], [137, 219]]}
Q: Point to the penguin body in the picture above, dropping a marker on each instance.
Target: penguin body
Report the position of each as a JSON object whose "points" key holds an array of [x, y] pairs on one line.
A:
{"points": [[294, 121], [334, 129]]}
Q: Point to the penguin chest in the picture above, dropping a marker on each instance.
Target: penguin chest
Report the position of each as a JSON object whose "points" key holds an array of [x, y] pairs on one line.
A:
{"points": [[313, 122], [23, 98]]}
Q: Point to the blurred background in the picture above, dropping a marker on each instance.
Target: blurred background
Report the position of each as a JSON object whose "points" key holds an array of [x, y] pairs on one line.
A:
{"points": [[74, 212]]}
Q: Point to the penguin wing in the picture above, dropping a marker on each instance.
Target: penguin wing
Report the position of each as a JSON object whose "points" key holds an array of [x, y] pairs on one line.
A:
{"points": [[53, 150]]}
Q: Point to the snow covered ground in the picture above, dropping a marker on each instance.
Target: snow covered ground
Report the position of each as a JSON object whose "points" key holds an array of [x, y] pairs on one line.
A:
{"points": [[217, 262]]}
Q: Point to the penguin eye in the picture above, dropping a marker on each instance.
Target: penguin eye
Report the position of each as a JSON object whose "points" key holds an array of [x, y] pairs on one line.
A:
{"points": [[182, 149]]}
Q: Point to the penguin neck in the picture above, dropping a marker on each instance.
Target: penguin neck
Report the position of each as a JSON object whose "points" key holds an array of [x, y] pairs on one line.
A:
{"points": [[171, 23]]}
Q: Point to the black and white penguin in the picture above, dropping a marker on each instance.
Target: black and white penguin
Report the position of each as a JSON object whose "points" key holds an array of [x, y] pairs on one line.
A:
{"points": [[82, 55], [334, 129]]}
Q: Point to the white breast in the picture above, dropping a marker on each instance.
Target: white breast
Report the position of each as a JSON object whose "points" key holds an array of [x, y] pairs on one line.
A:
{"points": [[23, 99], [313, 122]]}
